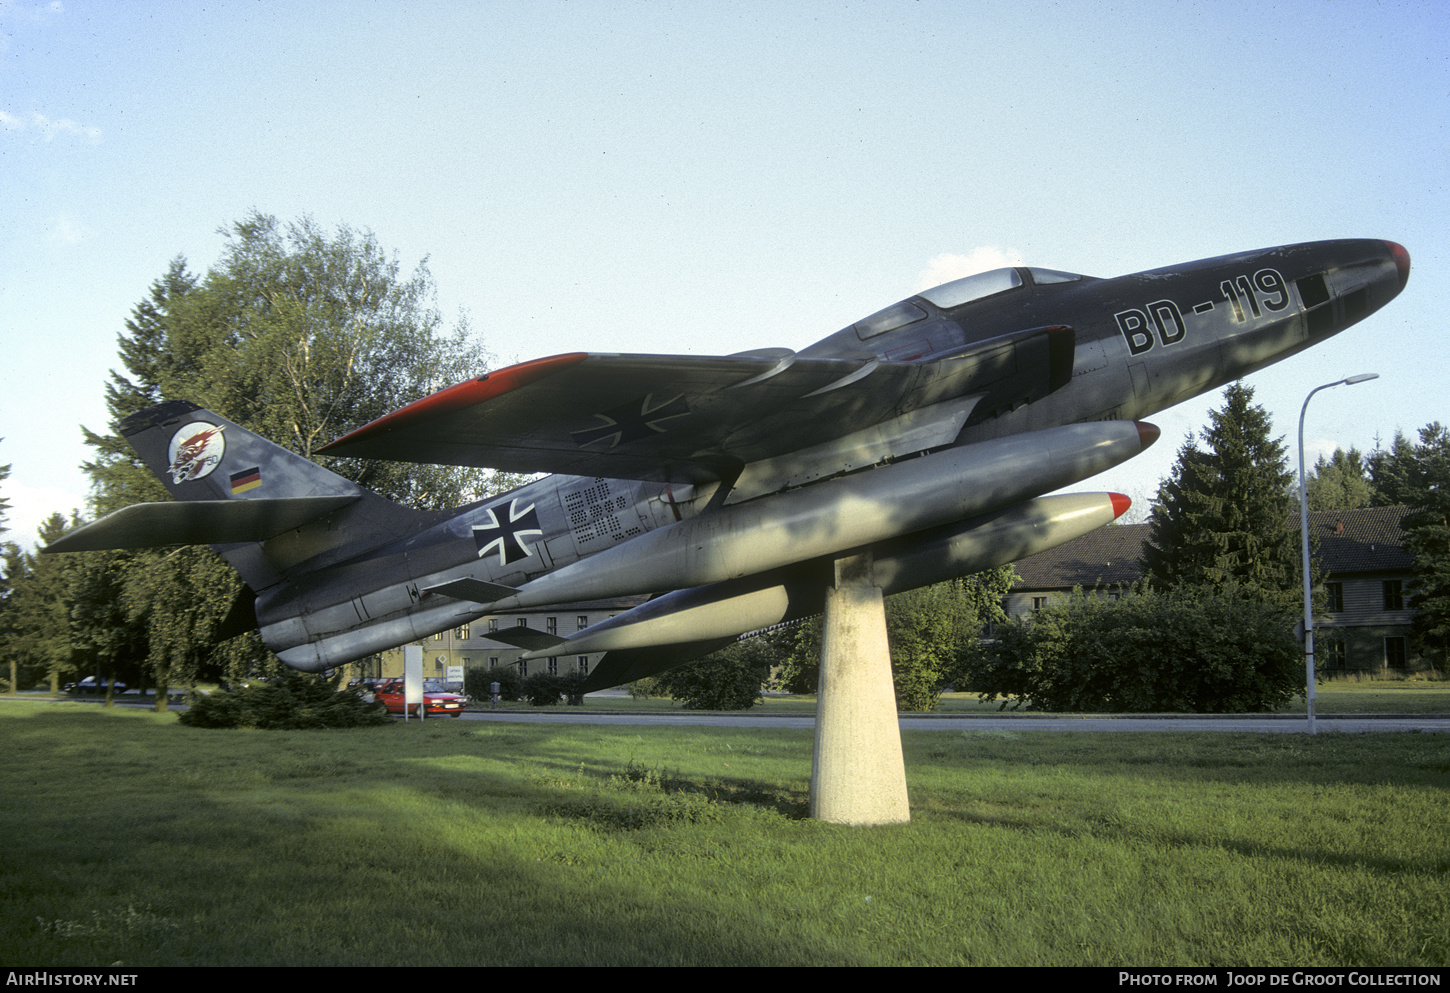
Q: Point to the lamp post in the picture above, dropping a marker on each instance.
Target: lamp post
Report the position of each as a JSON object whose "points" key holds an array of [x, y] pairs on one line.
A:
{"points": [[1304, 536]]}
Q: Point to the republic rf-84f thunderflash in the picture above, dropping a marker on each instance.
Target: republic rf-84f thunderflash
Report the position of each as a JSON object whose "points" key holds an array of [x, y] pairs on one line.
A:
{"points": [[725, 486]]}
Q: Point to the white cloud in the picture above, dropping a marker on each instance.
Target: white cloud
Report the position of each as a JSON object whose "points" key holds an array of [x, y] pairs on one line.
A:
{"points": [[65, 126], [30, 506], [950, 265], [66, 230], [17, 10], [50, 129]]}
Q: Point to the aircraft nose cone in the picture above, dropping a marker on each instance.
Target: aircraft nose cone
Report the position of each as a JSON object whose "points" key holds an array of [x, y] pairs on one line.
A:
{"points": [[1402, 261]]}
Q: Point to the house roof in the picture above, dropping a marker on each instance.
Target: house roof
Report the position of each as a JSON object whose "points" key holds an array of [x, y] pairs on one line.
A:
{"points": [[1356, 541], [1350, 542]]}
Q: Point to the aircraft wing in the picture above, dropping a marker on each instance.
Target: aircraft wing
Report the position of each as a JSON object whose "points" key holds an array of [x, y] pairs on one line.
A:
{"points": [[681, 418]]}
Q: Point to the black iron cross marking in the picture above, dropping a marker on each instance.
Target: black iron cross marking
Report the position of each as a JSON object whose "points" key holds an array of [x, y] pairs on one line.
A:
{"points": [[632, 421], [507, 536]]}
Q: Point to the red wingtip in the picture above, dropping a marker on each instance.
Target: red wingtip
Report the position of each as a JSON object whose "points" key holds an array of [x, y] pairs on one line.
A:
{"points": [[1120, 504], [457, 397], [1402, 261], [1147, 434]]}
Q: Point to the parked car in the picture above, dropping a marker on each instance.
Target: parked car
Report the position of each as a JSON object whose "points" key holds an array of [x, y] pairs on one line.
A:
{"points": [[439, 702], [92, 685]]}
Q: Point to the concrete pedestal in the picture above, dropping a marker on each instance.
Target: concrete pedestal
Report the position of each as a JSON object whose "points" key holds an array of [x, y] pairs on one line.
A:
{"points": [[858, 775]]}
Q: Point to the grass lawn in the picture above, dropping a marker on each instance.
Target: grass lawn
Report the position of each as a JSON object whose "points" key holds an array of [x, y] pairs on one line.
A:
{"points": [[130, 838], [1336, 696]]}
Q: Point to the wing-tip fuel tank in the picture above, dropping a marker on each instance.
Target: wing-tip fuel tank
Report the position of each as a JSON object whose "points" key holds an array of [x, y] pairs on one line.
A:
{"points": [[926, 433], [730, 609]]}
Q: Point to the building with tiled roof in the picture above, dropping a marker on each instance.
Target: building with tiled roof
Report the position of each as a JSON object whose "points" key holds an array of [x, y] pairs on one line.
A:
{"points": [[1365, 624]]}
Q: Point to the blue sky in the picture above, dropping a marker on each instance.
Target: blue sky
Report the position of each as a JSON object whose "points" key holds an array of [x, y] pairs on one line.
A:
{"points": [[708, 177]]}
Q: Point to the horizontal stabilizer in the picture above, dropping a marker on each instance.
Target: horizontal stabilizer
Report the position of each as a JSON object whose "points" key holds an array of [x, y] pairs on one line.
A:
{"points": [[204, 522], [531, 639], [472, 589]]}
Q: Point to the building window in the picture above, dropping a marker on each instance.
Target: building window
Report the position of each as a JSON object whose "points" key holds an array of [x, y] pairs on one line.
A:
{"points": [[492, 625], [523, 622], [492, 661], [583, 665], [582, 621], [523, 668], [1038, 602], [551, 625], [1330, 654], [1395, 653], [1335, 597], [553, 665], [1394, 596], [463, 632], [438, 636]]}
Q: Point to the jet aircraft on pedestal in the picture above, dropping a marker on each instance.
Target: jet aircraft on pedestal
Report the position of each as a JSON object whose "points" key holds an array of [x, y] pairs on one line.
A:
{"points": [[725, 486]]}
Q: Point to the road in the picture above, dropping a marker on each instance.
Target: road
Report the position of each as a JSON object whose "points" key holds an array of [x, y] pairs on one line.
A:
{"points": [[1336, 724]]}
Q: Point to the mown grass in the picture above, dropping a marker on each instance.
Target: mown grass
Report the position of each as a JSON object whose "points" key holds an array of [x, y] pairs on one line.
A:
{"points": [[1336, 696], [130, 838]]}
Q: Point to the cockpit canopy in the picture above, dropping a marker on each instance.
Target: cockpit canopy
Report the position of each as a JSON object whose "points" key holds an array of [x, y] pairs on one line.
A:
{"points": [[957, 293]]}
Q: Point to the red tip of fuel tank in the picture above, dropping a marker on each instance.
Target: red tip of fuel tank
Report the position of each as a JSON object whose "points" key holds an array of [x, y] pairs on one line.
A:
{"points": [[1147, 433], [1402, 261], [1120, 504]]}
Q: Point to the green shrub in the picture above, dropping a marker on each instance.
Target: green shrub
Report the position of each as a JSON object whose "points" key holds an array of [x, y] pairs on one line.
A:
{"points": [[729, 679], [292, 701], [1185, 651], [543, 690], [643, 689], [510, 683], [571, 684]]}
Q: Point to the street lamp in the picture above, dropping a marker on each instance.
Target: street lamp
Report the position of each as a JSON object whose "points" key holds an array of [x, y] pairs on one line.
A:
{"points": [[1304, 535]]}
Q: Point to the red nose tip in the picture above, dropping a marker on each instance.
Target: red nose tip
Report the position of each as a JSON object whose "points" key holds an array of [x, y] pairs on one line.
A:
{"points": [[1402, 261], [1120, 504]]}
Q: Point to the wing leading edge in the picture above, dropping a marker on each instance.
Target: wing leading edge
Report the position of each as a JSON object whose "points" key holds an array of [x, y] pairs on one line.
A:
{"points": [[677, 418]]}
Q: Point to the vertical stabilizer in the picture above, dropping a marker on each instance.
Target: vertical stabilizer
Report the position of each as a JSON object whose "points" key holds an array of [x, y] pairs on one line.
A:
{"points": [[267, 510]]}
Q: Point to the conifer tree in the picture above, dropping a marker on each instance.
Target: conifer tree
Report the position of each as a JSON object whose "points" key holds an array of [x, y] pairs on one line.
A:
{"points": [[1389, 470], [1425, 476], [38, 628], [1340, 482], [1224, 515]]}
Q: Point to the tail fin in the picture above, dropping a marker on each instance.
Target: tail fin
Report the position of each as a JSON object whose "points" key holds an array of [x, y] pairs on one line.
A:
{"points": [[265, 509]]}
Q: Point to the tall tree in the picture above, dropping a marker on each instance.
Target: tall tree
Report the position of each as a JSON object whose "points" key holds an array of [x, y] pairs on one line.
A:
{"points": [[1223, 516], [299, 335], [1400, 474], [12, 572], [1340, 482], [1424, 475], [4, 503], [39, 627], [12, 564]]}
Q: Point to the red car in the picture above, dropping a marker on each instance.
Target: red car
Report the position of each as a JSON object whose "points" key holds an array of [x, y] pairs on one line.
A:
{"points": [[440, 702]]}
